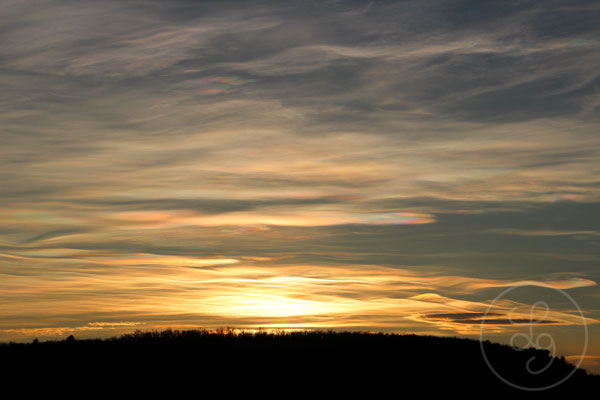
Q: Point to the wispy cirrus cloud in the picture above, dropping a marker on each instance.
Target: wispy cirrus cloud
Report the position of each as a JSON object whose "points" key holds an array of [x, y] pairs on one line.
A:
{"points": [[283, 164], [246, 293], [547, 232]]}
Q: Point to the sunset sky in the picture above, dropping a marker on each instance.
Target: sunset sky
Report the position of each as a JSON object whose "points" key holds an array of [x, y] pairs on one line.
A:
{"points": [[382, 166]]}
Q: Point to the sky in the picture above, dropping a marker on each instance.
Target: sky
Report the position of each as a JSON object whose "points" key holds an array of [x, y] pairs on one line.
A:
{"points": [[382, 166]]}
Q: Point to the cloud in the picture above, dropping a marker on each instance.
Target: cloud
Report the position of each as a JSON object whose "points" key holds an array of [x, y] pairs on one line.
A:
{"points": [[151, 259], [477, 319], [548, 232], [298, 157], [244, 293], [285, 217]]}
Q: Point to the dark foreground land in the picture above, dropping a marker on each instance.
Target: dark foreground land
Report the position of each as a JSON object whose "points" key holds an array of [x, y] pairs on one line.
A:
{"points": [[334, 363]]}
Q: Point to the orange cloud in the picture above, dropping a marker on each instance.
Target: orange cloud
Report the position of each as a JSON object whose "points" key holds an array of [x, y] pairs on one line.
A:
{"points": [[306, 217], [248, 294], [162, 260]]}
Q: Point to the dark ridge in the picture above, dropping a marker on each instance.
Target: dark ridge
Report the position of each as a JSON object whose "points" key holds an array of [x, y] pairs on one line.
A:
{"points": [[324, 361]]}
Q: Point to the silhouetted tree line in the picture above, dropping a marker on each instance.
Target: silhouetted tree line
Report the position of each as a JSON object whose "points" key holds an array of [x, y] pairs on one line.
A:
{"points": [[334, 363]]}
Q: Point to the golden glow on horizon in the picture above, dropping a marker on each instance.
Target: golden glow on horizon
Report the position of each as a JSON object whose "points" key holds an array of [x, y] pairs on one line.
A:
{"points": [[140, 289]]}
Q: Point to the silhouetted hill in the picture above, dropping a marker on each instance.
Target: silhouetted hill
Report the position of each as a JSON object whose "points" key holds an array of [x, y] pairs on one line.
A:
{"points": [[327, 362]]}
